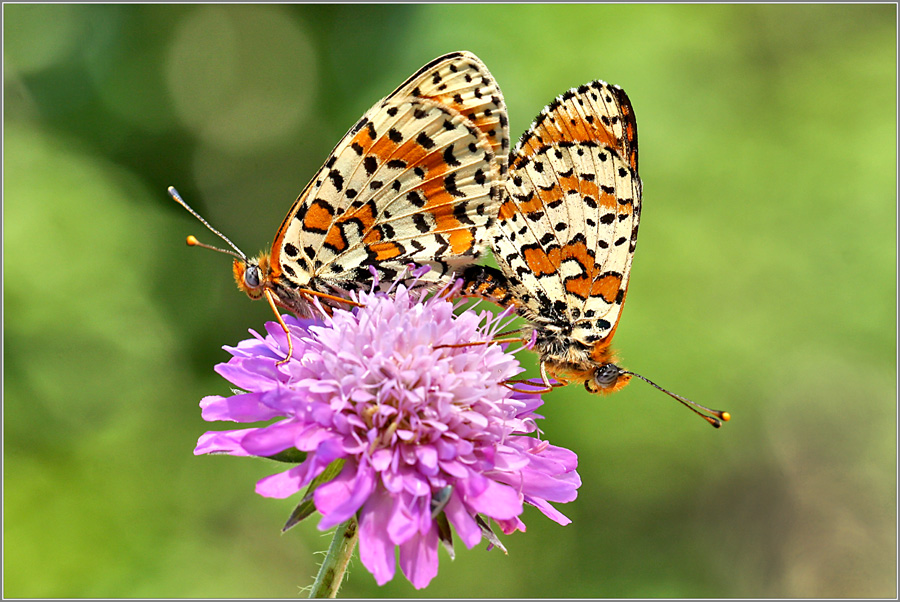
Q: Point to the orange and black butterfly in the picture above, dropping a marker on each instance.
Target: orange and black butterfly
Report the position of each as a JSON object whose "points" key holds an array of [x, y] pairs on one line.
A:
{"points": [[566, 234], [414, 181]]}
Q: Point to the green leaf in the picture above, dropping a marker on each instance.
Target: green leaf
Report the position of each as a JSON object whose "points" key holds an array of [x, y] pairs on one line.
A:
{"points": [[445, 534], [439, 500], [306, 505], [489, 534], [291, 456]]}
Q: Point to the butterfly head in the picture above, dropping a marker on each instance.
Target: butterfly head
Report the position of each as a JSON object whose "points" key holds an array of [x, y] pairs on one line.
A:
{"points": [[600, 373], [601, 378], [606, 378], [252, 274]]}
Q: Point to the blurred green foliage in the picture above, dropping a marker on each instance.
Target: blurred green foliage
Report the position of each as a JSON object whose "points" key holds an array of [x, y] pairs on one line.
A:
{"points": [[765, 284]]}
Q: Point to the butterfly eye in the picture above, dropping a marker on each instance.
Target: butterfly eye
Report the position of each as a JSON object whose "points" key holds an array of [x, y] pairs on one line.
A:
{"points": [[606, 375], [251, 276]]}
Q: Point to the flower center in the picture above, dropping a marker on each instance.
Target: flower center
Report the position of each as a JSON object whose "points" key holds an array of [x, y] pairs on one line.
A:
{"points": [[387, 416]]}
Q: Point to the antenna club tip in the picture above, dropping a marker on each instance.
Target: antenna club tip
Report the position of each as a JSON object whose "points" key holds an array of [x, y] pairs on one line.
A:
{"points": [[192, 241], [725, 416]]}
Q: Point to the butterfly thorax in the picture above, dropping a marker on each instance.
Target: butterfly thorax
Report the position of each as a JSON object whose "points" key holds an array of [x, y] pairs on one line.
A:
{"points": [[554, 343]]}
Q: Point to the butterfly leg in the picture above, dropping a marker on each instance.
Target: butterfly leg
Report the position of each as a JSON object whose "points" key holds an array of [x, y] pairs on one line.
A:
{"points": [[270, 296], [548, 386], [312, 293], [474, 343]]}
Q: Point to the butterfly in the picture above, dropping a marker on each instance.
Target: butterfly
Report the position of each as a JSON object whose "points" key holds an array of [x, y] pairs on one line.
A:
{"points": [[414, 181], [565, 237]]}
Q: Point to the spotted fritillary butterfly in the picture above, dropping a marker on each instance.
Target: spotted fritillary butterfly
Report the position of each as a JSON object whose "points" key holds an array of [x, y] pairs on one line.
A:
{"points": [[566, 234], [414, 181]]}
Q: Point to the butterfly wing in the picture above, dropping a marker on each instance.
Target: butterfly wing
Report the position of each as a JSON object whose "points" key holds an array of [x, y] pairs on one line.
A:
{"points": [[461, 82], [415, 180], [594, 112], [567, 228]]}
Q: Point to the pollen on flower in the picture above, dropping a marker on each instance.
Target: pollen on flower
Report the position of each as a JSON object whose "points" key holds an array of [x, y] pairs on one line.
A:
{"points": [[423, 425]]}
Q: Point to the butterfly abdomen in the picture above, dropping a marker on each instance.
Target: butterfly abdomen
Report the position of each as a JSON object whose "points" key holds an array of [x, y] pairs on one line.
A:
{"points": [[488, 283]]}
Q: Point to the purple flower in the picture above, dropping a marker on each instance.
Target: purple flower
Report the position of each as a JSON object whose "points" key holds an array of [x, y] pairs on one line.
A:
{"points": [[426, 434]]}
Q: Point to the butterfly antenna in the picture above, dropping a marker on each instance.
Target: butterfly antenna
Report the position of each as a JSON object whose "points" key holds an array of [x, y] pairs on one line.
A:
{"points": [[193, 242], [720, 416]]}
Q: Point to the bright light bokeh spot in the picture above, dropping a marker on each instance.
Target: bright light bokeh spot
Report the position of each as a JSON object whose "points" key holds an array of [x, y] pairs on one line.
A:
{"points": [[242, 78], [43, 36]]}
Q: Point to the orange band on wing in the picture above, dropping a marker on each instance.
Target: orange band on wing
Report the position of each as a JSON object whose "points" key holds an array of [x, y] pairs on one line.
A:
{"points": [[318, 217], [538, 261], [607, 287], [385, 250]]}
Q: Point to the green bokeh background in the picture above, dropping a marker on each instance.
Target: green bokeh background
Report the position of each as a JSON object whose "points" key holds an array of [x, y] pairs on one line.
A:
{"points": [[764, 284]]}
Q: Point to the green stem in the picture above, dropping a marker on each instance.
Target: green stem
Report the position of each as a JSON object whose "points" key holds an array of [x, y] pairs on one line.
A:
{"points": [[331, 573]]}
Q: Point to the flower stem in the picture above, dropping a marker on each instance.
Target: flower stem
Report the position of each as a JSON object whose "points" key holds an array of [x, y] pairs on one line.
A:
{"points": [[331, 573]]}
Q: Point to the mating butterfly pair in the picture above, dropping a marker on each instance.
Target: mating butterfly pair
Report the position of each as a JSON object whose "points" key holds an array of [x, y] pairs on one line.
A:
{"points": [[425, 177]]}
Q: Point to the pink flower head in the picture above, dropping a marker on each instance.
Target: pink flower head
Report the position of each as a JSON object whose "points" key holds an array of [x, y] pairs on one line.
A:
{"points": [[426, 434]]}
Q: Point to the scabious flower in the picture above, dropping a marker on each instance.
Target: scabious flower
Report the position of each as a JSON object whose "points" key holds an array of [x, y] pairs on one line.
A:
{"points": [[425, 434]]}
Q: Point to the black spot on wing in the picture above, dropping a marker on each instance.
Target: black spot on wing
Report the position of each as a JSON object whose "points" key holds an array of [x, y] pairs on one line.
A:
{"points": [[337, 179]]}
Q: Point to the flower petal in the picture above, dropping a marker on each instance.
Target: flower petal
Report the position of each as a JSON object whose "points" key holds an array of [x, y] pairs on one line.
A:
{"points": [[381, 459], [222, 442], [500, 502], [329, 450], [269, 440], [466, 527], [287, 483], [419, 558], [511, 525], [549, 511], [253, 374], [340, 498], [402, 524], [245, 407], [376, 550], [428, 459]]}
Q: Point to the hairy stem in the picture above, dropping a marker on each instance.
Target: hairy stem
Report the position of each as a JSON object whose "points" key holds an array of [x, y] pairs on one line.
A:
{"points": [[331, 573]]}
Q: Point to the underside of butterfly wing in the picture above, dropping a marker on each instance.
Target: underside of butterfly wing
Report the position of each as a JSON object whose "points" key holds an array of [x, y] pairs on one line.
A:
{"points": [[415, 181], [567, 226]]}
